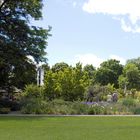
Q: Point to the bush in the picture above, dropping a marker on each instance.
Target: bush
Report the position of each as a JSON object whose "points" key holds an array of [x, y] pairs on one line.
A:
{"points": [[4, 110], [118, 109], [34, 106], [59, 110], [33, 100], [65, 107], [98, 93], [136, 110], [59, 102], [33, 91], [59, 107], [129, 102], [13, 105], [79, 108], [96, 110]]}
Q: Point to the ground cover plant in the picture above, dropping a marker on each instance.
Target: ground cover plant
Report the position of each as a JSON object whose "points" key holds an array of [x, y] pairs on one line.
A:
{"points": [[69, 128]]}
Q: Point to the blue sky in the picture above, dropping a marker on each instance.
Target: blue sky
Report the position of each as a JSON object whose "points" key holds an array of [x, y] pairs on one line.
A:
{"points": [[92, 31]]}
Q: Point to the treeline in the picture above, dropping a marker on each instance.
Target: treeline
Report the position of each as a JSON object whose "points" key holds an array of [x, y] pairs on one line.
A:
{"points": [[71, 83], [80, 90]]}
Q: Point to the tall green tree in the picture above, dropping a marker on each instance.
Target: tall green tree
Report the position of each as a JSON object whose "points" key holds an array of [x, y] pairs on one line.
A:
{"points": [[68, 83], [59, 66], [130, 77], [90, 71], [135, 61], [19, 39], [109, 72]]}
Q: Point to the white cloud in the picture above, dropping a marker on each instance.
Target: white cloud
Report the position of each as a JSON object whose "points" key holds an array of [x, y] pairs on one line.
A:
{"points": [[95, 60], [88, 59], [118, 8], [121, 59]]}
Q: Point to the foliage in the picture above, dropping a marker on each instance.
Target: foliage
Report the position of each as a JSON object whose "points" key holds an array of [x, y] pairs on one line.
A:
{"points": [[69, 83], [109, 72], [96, 110], [4, 110], [90, 70], [33, 100], [59, 67], [79, 108], [118, 109], [59, 107], [34, 106], [98, 92], [123, 82], [129, 102], [33, 91], [136, 110], [19, 40], [132, 74], [12, 105], [135, 61]]}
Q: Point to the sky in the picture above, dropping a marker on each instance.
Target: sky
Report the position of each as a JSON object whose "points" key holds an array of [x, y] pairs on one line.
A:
{"points": [[91, 31]]}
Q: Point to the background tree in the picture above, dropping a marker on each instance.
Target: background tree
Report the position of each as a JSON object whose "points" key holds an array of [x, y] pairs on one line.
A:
{"points": [[59, 66], [68, 83], [18, 40], [135, 61], [109, 72], [130, 76], [90, 71]]}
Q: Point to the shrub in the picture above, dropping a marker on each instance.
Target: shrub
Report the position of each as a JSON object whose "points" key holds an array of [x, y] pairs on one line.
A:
{"points": [[98, 92], [13, 105], [129, 102], [65, 107], [136, 110], [4, 110], [79, 108], [59, 106], [118, 108], [59, 110], [33, 91], [33, 100], [60, 102], [34, 106], [96, 109]]}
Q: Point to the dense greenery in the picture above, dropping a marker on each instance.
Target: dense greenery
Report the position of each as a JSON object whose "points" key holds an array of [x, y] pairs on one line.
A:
{"points": [[68, 83], [81, 90], [76, 83], [109, 72], [19, 41], [69, 128], [85, 90]]}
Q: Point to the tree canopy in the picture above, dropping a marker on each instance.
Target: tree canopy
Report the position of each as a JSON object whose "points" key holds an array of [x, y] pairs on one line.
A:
{"points": [[109, 72], [19, 39]]}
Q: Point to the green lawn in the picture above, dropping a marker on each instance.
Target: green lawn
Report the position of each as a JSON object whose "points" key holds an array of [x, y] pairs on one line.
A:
{"points": [[69, 128]]}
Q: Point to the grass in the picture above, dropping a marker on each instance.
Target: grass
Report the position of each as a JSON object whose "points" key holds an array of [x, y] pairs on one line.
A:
{"points": [[69, 128]]}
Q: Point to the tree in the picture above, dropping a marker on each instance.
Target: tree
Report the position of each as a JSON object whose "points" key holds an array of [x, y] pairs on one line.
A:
{"points": [[130, 76], [90, 71], [59, 66], [123, 82], [68, 83], [135, 61], [109, 72], [19, 39]]}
